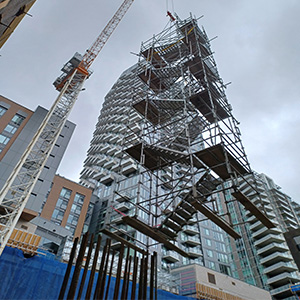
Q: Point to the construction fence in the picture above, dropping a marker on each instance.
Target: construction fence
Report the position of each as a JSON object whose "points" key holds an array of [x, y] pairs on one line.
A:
{"points": [[40, 277]]}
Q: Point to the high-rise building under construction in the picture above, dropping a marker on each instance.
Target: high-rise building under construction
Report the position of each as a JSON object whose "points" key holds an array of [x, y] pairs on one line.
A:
{"points": [[124, 184], [166, 159]]}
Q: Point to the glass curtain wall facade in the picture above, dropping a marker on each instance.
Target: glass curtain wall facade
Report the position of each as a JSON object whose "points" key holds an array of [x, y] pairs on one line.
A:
{"points": [[263, 253]]}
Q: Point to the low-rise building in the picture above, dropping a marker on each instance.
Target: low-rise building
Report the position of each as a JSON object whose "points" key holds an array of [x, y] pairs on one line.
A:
{"points": [[203, 283]]}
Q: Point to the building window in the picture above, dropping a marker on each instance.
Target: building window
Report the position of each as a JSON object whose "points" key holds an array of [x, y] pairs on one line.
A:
{"points": [[65, 193], [2, 111], [17, 119], [57, 216], [209, 253], [211, 278], [222, 257], [211, 265], [76, 209], [61, 203], [220, 247], [10, 129], [72, 220], [225, 269], [218, 236], [72, 229], [79, 198], [206, 231], [208, 242], [4, 139]]}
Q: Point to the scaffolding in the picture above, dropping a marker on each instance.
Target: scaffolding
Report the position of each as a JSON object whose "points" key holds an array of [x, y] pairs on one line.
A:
{"points": [[186, 143]]}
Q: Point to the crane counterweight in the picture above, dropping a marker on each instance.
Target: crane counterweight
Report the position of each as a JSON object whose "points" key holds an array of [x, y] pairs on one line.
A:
{"points": [[68, 69]]}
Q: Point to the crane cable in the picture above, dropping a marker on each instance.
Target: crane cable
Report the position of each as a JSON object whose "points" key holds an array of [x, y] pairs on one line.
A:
{"points": [[172, 5]]}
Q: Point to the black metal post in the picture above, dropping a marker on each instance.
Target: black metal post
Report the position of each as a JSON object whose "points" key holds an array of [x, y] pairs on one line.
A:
{"points": [[68, 270]]}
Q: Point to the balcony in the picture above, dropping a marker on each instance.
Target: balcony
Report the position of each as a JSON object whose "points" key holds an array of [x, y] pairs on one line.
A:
{"points": [[115, 168], [105, 148], [279, 268], [122, 130], [110, 127], [281, 292], [117, 219], [111, 151], [171, 256], [260, 233], [127, 162], [270, 238], [102, 161], [122, 196], [100, 175], [136, 128], [286, 213], [192, 230], [256, 226], [129, 169], [105, 138], [135, 118], [290, 220], [264, 231], [122, 229], [166, 175], [275, 258], [271, 248], [119, 153], [115, 139], [261, 199], [122, 206], [193, 252], [109, 164], [191, 240], [116, 245], [283, 279], [271, 215], [192, 221], [107, 179]]}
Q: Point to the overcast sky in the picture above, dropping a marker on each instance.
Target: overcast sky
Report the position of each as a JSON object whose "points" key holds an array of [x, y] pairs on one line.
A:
{"points": [[257, 49]]}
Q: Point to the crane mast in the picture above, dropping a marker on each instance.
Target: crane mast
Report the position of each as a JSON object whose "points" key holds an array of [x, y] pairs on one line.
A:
{"points": [[18, 187]]}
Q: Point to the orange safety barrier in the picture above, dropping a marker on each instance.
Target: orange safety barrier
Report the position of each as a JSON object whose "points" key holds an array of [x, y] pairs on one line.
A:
{"points": [[210, 293], [27, 242]]}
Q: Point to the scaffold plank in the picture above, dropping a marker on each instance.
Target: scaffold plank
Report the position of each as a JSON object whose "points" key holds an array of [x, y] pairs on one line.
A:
{"points": [[148, 110], [190, 39], [209, 106], [246, 202], [147, 230], [156, 157], [120, 239], [215, 158], [216, 219], [159, 111], [154, 58], [153, 81], [151, 159], [195, 67]]}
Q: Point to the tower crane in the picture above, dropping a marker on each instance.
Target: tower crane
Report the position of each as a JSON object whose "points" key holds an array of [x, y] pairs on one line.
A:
{"points": [[18, 187]]}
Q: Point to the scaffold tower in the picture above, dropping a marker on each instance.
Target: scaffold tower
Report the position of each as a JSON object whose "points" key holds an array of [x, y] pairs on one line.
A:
{"points": [[186, 144]]}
